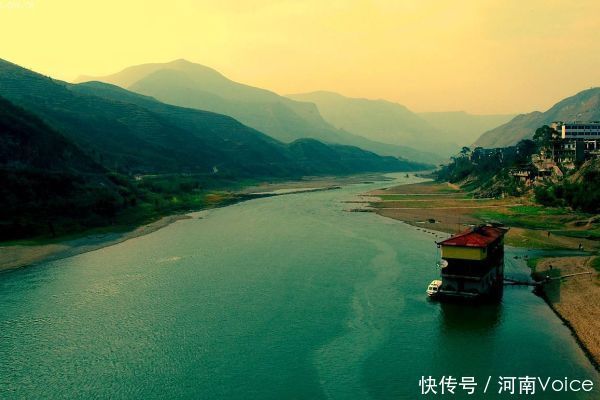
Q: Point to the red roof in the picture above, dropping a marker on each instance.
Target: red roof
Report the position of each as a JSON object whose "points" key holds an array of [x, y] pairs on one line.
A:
{"points": [[481, 236]]}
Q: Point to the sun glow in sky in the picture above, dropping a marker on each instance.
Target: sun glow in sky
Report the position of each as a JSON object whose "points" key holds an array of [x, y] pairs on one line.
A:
{"points": [[482, 56]]}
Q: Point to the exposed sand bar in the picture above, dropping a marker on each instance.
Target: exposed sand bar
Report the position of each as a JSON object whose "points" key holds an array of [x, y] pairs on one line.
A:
{"points": [[16, 256]]}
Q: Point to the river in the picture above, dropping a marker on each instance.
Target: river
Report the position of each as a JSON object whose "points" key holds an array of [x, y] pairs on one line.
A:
{"points": [[286, 297]]}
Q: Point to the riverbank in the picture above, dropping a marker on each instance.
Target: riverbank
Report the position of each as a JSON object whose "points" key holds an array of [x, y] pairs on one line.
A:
{"points": [[23, 253], [327, 304], [575, 300], [447, 208], [20, 255]]}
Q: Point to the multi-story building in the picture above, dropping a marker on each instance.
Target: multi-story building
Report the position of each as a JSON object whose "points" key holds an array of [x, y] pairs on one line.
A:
{"points": [[580, 131], [577, 141]]}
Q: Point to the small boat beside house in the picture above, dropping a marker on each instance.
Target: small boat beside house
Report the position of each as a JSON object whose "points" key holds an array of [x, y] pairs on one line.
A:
{"points": [[434, 288]]}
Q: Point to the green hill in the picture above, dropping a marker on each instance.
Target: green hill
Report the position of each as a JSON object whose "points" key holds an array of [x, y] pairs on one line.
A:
{"points": [[314, 156], [48, 184], [584, 106], [186, 84], [28, 143]]}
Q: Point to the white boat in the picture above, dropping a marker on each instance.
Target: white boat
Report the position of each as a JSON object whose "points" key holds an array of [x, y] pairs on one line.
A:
{"points": [[434, 288]]}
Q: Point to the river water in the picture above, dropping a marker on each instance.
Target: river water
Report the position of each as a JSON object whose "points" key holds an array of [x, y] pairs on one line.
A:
{"points": [[286, 297]]}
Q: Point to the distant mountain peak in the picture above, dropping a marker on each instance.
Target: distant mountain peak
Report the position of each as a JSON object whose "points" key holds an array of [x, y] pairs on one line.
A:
{"points": [[131, 75], [180, 61], [189, 66]]}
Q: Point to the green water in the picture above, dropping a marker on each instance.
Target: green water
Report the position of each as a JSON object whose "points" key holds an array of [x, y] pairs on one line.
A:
{"points": [[286, 297]]}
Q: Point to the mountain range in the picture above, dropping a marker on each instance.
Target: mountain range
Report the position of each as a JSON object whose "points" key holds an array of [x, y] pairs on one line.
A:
{"points": [[191, 85], [81, 156], [187, 84], [380, 120], [584, 106], [132, 133]]}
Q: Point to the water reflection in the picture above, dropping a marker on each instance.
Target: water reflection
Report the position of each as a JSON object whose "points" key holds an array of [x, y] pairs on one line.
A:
{"points": [[474, 317]]}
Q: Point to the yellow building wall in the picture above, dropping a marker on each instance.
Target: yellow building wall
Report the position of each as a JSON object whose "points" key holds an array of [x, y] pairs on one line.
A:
{"points": [[464, 253]]}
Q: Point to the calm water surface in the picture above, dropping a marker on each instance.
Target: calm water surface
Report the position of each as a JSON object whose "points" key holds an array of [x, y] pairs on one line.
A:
{"points": [[286, 297]]}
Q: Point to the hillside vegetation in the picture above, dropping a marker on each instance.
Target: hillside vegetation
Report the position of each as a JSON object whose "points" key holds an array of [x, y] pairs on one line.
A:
{"points": [[580, 190], [488, 174], [48, 184]]}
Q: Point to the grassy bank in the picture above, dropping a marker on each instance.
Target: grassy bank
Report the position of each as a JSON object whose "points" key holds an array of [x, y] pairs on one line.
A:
{"points": [[448, 208]]}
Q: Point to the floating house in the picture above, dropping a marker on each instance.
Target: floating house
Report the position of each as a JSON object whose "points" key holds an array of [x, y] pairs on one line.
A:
{"points": [[473, 263]]}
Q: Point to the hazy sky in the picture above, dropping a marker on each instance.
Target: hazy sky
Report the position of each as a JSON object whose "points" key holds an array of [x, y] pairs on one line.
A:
{"points": [[496, 56]]}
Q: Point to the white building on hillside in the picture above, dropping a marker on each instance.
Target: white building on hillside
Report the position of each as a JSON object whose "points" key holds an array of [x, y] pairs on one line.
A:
{"points": [[577, 141], [580, 130]]}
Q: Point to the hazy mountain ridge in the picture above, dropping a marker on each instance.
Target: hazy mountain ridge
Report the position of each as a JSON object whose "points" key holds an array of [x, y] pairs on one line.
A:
{"points": [[186, 84], [284, 121], [380, 120], [464, 127], [192, 85], [583, 106]]}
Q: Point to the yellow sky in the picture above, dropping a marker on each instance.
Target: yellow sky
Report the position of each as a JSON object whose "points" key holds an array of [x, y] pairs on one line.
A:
{"points": [[482, 56]]}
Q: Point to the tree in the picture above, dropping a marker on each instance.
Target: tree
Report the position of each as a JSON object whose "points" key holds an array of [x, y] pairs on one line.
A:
{"points": [[543, 137], [525, 149], [477, 154]]}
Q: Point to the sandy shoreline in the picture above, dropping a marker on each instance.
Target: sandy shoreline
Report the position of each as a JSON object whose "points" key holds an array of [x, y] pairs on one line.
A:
{"points": [[17, 256], [576, 300]]}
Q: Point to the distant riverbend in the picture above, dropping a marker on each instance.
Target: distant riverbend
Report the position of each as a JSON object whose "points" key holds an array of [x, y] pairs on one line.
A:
{"points": [[275, 298]]}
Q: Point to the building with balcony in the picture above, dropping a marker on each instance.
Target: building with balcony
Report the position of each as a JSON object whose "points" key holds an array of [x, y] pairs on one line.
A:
{"points": [[577, 141]]}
